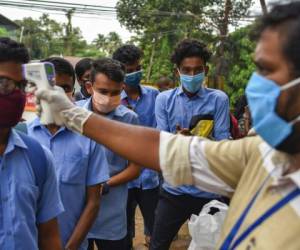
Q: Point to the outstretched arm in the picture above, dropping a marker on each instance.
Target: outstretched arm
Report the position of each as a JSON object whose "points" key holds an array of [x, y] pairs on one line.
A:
{"points": [[137, 144]]}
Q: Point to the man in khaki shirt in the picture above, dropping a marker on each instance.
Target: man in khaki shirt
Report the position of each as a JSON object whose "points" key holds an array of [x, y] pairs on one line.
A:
{"points": [[260, 173]]}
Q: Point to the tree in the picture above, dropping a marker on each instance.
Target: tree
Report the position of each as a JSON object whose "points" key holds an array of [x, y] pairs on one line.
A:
{"points": [[45, 37], [108, 44], [161, 24], [239, 53], [42, 37]]}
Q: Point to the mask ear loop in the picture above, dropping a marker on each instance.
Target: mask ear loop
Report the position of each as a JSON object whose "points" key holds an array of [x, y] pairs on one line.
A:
{"points": [[297, 119], [291, 84]]}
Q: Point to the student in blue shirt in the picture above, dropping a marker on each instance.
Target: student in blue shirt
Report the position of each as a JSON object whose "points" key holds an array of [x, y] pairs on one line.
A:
{"points": [[80, 164], [141, 99], [175, 112], [83, 70], [105, 86], [29, 196]]}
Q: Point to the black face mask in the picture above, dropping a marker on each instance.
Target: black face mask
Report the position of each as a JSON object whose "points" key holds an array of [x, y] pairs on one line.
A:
{"points": [[84, 91], [291, 145]]}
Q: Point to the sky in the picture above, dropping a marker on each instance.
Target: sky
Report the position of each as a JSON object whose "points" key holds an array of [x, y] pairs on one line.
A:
{"points": [[89, 25]]}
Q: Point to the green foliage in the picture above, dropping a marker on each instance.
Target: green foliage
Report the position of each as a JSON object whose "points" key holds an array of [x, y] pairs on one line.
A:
{"points": [[3, 32], [45, 37], [239, 54], [161, 24], [107, 44]]}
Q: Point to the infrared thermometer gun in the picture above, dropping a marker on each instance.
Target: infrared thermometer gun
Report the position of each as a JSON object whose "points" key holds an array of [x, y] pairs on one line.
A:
{"points": [[43, 76]]}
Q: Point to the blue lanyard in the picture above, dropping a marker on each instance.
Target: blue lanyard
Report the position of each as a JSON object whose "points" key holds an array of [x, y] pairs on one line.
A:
{"points": [[227, 244]]}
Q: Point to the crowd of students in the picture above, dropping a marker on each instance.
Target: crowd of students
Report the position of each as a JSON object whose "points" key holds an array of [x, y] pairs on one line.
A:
{"points": [[76, 183]]}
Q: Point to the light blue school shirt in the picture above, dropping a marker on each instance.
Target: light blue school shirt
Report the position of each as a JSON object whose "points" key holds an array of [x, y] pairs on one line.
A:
{"points": [[144, 107], [174, 107], [23, 205], [79, 162], [111, 222]]}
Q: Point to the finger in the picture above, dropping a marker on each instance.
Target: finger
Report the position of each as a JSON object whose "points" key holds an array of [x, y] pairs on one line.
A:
{"points": [[43, 94], [60, 89], [39, 110]]}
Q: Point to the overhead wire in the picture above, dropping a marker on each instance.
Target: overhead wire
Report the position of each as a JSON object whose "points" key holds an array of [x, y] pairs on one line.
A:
{"points": [[91, 9]]}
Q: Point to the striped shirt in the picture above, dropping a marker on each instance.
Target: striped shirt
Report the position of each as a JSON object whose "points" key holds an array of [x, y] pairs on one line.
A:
{"points": [[237, 169]]}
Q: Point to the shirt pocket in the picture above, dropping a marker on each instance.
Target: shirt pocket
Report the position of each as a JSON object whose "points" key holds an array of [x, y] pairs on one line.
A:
{"points": [[74, 170]]}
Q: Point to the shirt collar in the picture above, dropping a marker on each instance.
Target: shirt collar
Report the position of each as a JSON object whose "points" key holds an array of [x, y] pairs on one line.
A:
{"points": [[37, 124], [276, 162], [14, 140], [88, 104], [143, 90], [199, 93]]}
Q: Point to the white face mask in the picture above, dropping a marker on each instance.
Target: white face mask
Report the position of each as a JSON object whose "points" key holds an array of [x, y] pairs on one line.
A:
{"points": [[105, 104]]}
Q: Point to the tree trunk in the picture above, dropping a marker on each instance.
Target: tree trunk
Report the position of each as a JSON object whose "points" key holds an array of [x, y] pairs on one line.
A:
{"points": [[151, 61], [223, 30], [69, 32], [263, 7]]}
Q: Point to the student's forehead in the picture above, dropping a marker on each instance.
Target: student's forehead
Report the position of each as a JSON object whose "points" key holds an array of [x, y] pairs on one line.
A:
{"points": [[102, 81], [193, 61], [269, 47], [11, 70], [64, 78], [133, 65]]}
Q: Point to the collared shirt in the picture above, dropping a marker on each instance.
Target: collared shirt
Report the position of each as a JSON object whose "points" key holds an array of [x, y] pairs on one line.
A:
{"points": [[22, 205], [111, 222], [175, 107], [237, 169], [79, 162], [144, 106]]}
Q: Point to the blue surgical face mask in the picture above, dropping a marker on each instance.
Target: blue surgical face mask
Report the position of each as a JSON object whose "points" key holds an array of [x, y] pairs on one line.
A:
{"points": [[134, 79], [192, 83], [262, 95]]}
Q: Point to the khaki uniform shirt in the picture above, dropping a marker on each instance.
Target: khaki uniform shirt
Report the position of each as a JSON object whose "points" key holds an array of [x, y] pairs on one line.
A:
{"points": [[237, 169]]}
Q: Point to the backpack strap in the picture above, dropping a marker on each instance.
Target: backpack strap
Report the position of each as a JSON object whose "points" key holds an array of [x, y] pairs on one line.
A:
{"points": [[37, 158]]}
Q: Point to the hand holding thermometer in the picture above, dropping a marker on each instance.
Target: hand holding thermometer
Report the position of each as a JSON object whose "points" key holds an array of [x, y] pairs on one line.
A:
{"points": [[43, 76]]}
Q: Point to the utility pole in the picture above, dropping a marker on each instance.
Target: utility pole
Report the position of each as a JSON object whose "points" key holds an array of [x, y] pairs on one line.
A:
{"points": [[69, 33], [264, 7], [21, 34]]}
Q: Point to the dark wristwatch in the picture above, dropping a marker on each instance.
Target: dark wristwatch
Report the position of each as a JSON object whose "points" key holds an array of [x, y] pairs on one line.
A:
{"points": [[105, 188]]}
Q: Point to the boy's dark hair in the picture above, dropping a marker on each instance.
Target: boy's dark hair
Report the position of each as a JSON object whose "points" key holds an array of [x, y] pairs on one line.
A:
{"points": [[190, 48], [62, 66], [127, 54], [12, 51], [286, 19], [113, 69], [82, 66]]}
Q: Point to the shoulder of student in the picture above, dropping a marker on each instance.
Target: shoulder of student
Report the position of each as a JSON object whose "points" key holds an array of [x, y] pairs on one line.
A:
{"points": [[218, 94], [81, 103], [150, 89], [127, 113], [165, 95]]}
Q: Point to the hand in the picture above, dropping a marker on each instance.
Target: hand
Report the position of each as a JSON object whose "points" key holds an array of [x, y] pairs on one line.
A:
{"points": [[64, 112], [182, 131], [70, 247]]}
